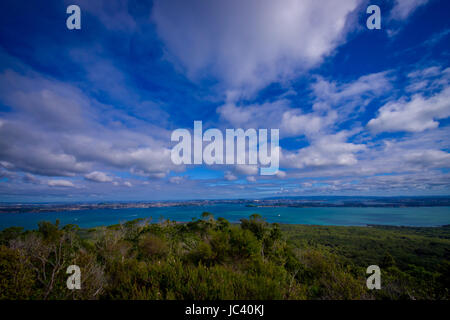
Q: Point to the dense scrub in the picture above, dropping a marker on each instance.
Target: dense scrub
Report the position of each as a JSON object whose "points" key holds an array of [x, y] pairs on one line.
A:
{"points": [[213, 259]]}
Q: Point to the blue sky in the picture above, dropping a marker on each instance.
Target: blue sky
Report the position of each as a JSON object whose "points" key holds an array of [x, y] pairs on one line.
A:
{"points": [[87, 115]]}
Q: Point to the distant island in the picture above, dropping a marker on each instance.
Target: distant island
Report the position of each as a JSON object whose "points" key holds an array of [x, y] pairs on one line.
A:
{"points": [[296, 202]]}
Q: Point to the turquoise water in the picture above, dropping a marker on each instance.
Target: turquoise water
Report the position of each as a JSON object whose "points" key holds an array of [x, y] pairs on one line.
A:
{"points": [[349, 216]]}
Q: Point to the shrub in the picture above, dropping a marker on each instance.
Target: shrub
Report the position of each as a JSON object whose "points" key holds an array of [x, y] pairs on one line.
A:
{"points": [[152, 246]]}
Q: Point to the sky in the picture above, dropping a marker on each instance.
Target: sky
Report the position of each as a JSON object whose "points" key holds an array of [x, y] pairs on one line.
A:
{"points": [[87, 115]]}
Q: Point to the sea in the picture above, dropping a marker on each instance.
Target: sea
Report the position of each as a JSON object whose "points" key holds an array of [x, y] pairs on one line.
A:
{"points": [[336, 216]]}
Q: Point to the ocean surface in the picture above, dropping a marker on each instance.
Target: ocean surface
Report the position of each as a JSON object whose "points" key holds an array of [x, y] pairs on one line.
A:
{"points": [[342, 216]]}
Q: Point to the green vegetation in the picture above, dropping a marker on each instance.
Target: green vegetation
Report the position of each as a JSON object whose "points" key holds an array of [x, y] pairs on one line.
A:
{"points": [[414, 260], [213, 259]]}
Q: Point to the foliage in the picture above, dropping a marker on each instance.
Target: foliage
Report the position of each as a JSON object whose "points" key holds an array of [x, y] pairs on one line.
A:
{"points": [[214, 259]]}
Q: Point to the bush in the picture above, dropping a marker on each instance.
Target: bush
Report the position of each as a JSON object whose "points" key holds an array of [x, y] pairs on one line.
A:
{"points": [[16, 280], [153, 247]]}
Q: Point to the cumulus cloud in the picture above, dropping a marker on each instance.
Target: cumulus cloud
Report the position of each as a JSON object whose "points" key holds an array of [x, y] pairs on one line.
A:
{"points": [[177, 179], [280, 174], [332, 102], [52, 104], [411, 155], [229, 176], [128, 184], [60, 183], [255, 115], [294, 122], [329, 150], [352, 94], [428, 158], [22, 146], [98, 176], [335, 92], [248, 44], [54, 129], [247, 169], [418, 114]]}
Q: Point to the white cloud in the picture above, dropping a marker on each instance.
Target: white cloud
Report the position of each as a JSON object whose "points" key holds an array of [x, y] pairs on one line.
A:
{"points": [[335, 92], [127, 184], [294, 123], [98, 176], [428, 80], [29, 178], [403, 8], [418, 114], [427, 158], [177, 179], [60, 183], [350, 98], [265, 115], [414, 154], [281, 174], [229, 176], [332, 102], [427, 72], [249, 44], [247, 169], [54, 129], [328, 150]]}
